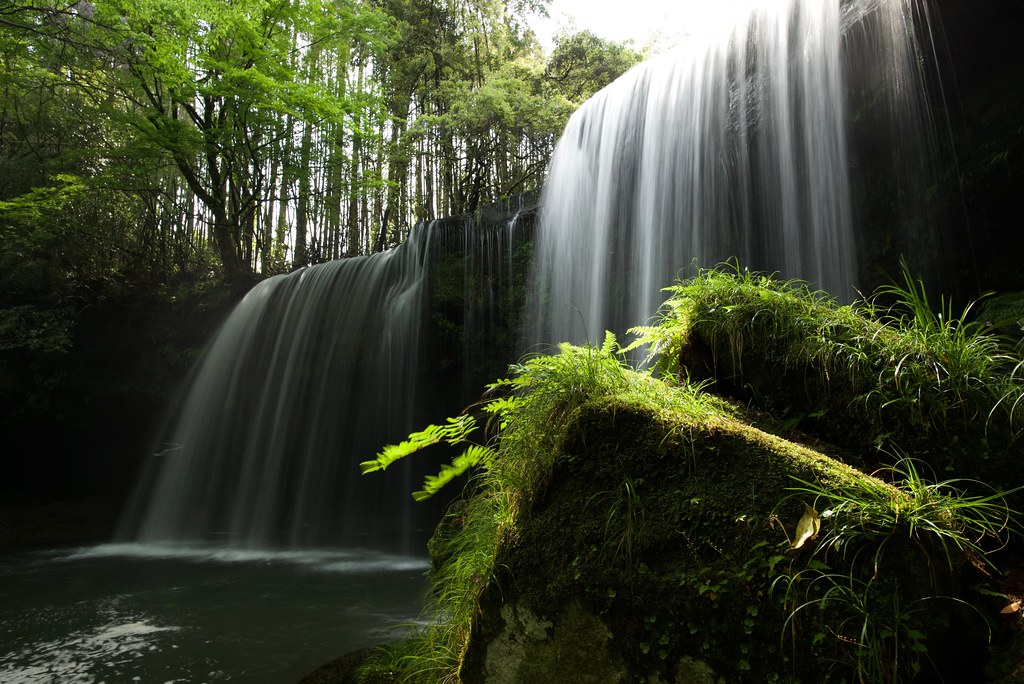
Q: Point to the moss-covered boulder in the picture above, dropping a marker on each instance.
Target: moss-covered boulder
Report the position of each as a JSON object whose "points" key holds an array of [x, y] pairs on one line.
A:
{"points": [[1005, 314], [626, 528], [661, 549], [885, 378]]}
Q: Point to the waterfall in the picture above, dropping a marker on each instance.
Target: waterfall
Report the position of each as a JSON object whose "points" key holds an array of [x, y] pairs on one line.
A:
{"points": [[313, 372], [759, 141], [739, 144]]}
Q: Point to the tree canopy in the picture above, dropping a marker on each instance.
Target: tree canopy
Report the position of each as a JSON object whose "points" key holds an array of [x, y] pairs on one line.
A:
{"points": [[153, 138]]}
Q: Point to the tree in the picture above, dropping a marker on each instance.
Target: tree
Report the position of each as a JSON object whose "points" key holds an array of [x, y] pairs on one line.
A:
{"points": [[583, 63], [272, 134], [207, 84]]}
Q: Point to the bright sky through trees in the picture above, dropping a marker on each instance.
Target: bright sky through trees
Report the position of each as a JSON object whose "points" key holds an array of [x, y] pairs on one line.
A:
{"points": [[656, 23]]}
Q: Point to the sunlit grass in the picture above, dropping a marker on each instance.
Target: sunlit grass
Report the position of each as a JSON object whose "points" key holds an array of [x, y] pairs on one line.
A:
{"points": [[888, 369], [878, 626]]}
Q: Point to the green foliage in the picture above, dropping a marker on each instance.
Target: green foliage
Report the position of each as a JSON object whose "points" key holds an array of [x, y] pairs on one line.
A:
{"points": [[868, 594], [467, 540], [528, 411], [455, 432], [542, 394], [1005, 314], [265, 135], [937, 516], [878, 579], [866, 376], [38, 204], [582, 63], [624, 517], [955, 357], [741, 306], [27, 327], [874, 626], [878, 638]]}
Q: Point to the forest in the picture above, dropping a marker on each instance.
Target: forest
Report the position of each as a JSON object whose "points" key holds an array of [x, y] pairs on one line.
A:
{"points": [[157, 158], [153, 140]]}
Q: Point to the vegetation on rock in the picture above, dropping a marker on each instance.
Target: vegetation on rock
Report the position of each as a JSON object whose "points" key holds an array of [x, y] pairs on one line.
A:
{"points": [[885, 375], [631, 524]]}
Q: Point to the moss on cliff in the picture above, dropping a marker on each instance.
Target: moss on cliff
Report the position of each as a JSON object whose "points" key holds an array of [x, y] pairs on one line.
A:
{"points": [[667, 532]]}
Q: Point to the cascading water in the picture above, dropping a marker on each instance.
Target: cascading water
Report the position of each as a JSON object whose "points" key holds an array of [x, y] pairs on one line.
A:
{"points": [[312, 373], [737, 145], [758, 141], [307, 367], [490, 265]]}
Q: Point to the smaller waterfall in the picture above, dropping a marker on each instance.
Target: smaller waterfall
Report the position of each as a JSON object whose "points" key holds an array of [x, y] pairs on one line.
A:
{"points": [[312, 373], [737, 145]]}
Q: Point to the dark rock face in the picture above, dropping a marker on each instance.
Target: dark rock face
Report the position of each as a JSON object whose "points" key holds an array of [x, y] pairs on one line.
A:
{"points": [[573, 646], [980, 81]]}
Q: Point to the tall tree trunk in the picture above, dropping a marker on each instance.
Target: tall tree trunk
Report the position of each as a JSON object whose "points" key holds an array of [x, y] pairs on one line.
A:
{"points": [[355, 185], [224, 232], [302, 206]]}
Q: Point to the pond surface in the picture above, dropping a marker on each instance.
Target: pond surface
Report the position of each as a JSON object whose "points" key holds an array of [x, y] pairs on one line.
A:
{"points": [[130, 613]]}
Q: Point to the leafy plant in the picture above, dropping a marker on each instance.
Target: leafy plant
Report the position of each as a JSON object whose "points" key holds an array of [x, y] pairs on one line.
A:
{"points": [[525, 414], [542, 393], [455, 432], [624, 517], [955, 357], [880, 556], [874, 634], [887, 371], [939, 516], [875, 627]]}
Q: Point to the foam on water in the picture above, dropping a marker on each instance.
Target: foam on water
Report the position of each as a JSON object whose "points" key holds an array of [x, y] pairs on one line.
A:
{"points": [[161, 613], [328, 560], [87, 655]]}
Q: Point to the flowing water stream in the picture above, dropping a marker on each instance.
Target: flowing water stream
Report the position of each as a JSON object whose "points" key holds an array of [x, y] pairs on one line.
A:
{"points": [[245, 553], [765, 140]]}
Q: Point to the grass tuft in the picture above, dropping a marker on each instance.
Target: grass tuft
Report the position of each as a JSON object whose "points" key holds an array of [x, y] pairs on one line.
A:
{"points": [[865, 376]]}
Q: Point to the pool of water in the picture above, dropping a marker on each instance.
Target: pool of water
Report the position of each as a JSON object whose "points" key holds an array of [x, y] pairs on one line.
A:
{"points": [[130, 613]]}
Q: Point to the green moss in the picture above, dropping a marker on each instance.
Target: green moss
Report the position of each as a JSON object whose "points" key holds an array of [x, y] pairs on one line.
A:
{"points": [[1005, 313], [877, 380], [707, 544], [654, 522]]}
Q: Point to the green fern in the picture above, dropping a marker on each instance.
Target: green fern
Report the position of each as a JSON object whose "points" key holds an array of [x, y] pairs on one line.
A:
{"points": [[455, 431], [525, 417], [474, 456]]}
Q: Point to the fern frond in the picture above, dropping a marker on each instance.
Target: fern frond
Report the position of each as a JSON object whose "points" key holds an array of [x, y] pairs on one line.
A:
{"points": [[456, 431], [611, 344], [474, 455]]}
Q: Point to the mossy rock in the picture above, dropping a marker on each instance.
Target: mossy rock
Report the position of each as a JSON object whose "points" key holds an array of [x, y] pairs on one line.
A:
{"points": [[626, 528], [879, 388], [1005, 313], [656, 549]]}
